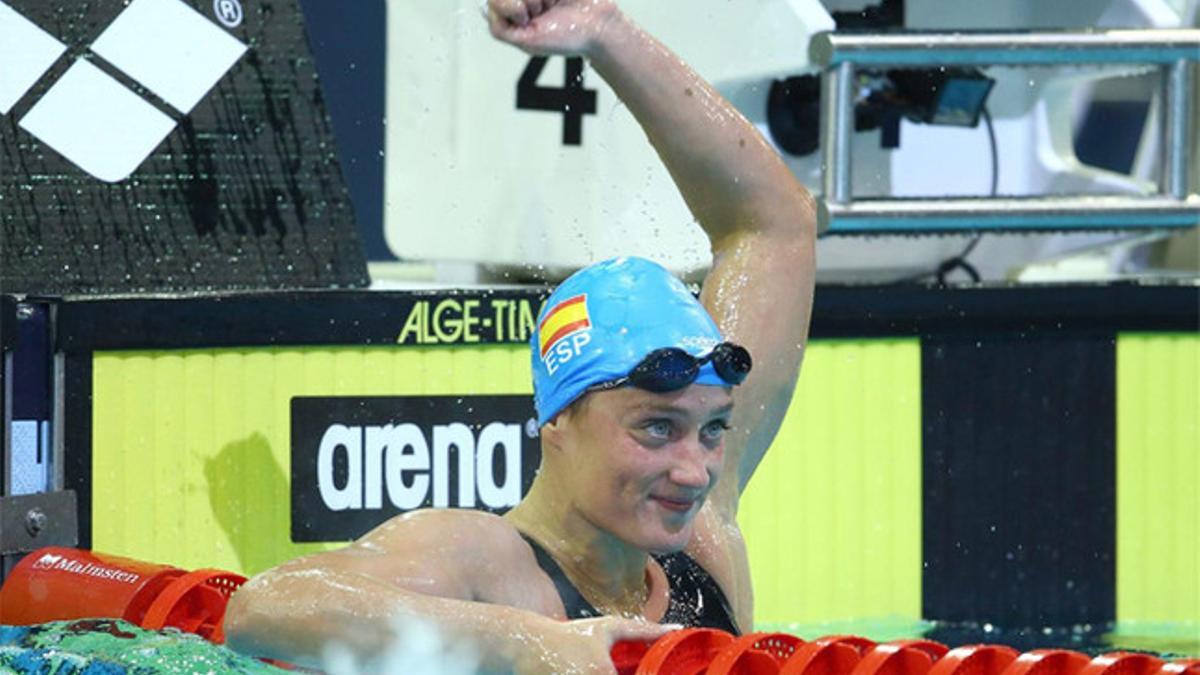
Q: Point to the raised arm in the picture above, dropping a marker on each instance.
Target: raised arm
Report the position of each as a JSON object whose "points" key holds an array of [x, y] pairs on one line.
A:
{"points": [[759, 219]]}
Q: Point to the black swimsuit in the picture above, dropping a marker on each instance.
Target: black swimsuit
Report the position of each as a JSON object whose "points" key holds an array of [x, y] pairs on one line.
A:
{"points": [[696, 599]]}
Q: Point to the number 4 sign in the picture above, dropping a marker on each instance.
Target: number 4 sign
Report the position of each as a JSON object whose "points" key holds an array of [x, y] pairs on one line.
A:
{"points": [[494, 156], [573, 100]]}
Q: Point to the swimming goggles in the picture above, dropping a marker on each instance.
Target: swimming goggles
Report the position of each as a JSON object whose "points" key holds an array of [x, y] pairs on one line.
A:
{"points": [[672, 368]]}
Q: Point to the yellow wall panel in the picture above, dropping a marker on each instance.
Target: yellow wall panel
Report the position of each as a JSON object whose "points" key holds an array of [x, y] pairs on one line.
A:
{"points": [[191, 449], [191, 459], [832, 518], [1158, 478]]}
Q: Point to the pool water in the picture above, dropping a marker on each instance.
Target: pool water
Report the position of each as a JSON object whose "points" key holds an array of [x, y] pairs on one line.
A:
{"points": [[114, 647]]}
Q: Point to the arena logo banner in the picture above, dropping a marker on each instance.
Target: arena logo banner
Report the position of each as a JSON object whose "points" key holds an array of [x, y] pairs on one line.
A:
{"points": [[357, 461]]}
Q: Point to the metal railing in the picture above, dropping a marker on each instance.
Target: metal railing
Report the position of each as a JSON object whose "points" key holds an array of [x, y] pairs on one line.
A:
{"points": [[1175, 50]]}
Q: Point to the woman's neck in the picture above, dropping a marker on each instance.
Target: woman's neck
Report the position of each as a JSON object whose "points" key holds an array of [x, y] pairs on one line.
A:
{"points": [[610, 573]]}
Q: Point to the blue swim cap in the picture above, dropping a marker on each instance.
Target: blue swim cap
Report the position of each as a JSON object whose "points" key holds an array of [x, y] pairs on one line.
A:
{"points": [[603, 320]]}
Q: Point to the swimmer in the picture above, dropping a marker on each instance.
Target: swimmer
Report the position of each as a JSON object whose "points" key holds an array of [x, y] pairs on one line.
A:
{"points": [[652, 418]]}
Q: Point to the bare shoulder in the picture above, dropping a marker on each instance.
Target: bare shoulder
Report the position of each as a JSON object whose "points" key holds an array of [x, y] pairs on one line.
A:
{"points": [[461, 553], [431, 551], [460, 539]]}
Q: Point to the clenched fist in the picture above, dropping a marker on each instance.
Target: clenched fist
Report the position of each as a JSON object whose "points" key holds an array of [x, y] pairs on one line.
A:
{"points": [[566, 27]]}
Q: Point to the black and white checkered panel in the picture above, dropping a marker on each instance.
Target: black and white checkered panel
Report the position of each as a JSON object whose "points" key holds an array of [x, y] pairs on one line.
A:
{"points": [[167, 145]]}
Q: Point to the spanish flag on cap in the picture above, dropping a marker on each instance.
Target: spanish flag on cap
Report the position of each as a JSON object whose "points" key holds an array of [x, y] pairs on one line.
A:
{"points": [[567, 317]]}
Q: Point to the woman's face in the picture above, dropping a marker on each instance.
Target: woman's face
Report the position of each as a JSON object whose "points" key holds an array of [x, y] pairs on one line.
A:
{"points": [[639, 465]]}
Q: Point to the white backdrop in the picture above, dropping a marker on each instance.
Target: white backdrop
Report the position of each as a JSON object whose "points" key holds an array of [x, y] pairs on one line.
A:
{"points": [[472, 178]]}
